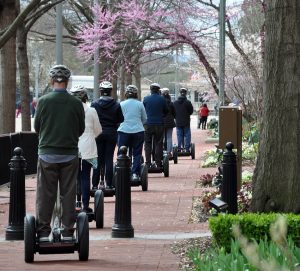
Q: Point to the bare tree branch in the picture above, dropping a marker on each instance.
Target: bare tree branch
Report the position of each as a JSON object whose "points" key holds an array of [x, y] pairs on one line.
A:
{"points": [[19, 20]]}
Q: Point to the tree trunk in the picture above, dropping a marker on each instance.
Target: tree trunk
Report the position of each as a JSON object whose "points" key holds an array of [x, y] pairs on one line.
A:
{"points": [[8, 13], [24, 77], [138, 77], [122, 83], [276, 184]]}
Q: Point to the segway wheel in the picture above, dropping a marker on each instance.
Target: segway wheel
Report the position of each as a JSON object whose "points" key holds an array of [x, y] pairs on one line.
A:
{"points": [[29, 238], [144, 177], [99, 209], [83, 236], [193, 151], [175, 155], [166, 165]]}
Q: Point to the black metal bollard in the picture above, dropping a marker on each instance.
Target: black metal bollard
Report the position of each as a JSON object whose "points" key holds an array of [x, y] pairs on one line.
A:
{"points": [[229, 186], [15, 228], [122, 227]]}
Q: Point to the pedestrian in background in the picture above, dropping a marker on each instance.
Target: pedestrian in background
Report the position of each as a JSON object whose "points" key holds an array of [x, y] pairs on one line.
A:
{"points": [[204, 111]]}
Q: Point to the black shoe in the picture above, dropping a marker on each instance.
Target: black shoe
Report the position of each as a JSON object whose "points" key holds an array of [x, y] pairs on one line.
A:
{"points": [[94, 188], [109, 187], [87, 210]]}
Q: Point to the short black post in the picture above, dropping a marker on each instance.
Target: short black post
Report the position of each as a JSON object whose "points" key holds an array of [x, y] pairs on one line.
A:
{"points": [[15, 228], [229, 186], [122, 227]]}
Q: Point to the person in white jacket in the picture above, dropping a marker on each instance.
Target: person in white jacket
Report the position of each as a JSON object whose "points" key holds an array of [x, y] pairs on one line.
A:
{"points": [[87, 145]]}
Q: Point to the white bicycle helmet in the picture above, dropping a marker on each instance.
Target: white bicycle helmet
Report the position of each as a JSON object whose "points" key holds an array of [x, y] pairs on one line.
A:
{"points": [[165, 91], [105, 88], [131, 89], [105, 85], [80, 92], [60, 73]]}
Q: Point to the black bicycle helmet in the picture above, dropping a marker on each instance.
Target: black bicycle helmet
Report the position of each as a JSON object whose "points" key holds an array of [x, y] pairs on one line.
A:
{"points": [[60, 73], [105, 88], [79, 92], [183, 91], [155, 87]]}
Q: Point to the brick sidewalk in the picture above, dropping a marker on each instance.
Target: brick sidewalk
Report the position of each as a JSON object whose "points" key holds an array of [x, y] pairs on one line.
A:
{"points": [[159, 217]]}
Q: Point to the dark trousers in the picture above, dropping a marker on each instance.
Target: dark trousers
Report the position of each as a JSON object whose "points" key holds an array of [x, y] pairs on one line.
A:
{"points": [[49, 176], [154, 134], [85, 182], [203, 122], [106, 144], [133, 142]]}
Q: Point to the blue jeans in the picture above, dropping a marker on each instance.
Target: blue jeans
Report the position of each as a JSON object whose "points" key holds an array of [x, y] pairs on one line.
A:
{"points": [[168, 139], [106, 144], [85, 179], [184, 137], [134, 142]]}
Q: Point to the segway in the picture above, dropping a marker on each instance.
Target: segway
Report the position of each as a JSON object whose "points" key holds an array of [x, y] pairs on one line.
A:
{"points": [[107, 192], [56, 243], [143, 178], [183, 152], [165, 163], [174, 156], [163, 169], [98, 213]]}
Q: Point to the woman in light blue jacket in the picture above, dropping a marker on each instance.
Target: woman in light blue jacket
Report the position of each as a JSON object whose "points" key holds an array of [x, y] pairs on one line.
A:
{"points": [[131, 131]]}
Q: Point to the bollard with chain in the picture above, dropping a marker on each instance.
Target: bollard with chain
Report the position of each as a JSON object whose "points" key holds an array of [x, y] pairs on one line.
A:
{"points": [[15, 228], [122, 227], [229, 186]]}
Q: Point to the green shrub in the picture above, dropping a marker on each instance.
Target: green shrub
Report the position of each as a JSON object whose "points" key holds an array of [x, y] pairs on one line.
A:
{"points": [[246, 176], [278, 254], [249, 152], [270, 257], [253, 226], [210, 158]]}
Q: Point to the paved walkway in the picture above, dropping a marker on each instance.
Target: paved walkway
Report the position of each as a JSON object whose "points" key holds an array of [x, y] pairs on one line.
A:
{"points": [[159, 216]]}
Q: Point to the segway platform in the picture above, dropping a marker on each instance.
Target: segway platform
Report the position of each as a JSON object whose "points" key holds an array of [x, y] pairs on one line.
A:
{"points": [[56, 245], [98, 213], [182, 152], [143, 178], [163, 169]]}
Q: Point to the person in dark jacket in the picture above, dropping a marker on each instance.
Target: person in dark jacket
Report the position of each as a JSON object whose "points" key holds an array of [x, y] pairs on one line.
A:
{"points": [[156, 109], [184, 109], [110, 115], [169, 122]]}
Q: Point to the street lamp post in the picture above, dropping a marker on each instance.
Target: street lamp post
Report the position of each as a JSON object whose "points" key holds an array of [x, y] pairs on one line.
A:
{"points": [[222, 52], [58, 47]]}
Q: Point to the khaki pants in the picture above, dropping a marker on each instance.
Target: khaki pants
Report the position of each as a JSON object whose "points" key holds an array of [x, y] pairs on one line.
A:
{"points": [[49, 175]]}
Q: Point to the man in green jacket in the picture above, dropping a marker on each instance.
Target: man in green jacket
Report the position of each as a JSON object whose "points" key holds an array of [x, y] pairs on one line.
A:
{"points": [[59, 122]]}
